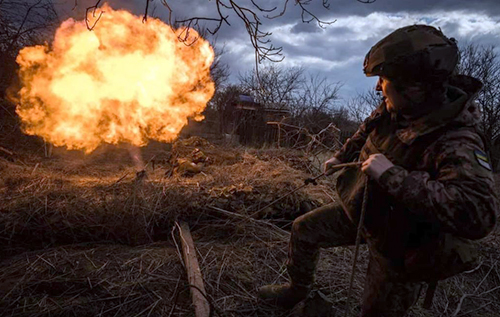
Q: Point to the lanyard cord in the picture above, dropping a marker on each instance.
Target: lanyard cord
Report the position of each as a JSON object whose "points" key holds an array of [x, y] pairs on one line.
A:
{"points": [[356, 251]]}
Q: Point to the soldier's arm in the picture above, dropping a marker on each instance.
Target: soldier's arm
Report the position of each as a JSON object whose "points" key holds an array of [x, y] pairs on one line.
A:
{"points": [[352, 147], [460, 196]]}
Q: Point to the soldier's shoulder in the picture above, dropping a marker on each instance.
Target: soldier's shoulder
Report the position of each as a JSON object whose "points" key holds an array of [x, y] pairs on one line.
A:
{"points": [[463, 142], [457, 135], [465, 147]]}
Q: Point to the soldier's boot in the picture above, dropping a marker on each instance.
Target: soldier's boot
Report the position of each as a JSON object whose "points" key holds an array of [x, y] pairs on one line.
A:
{"points": [[285, 295]]}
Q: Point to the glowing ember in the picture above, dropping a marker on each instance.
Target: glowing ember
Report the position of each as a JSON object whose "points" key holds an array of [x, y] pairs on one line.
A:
{"points": [[125, 81]]}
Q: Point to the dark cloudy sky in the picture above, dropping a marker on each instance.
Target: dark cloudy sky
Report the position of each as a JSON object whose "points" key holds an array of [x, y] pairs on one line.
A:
{"points": [[338, 50]]}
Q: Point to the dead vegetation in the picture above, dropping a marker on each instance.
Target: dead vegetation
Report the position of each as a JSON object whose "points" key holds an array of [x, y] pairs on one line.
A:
{"points": [[81, 236]]}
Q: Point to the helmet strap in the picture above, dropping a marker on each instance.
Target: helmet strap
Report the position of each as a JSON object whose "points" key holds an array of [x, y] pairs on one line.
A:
{"points": [[417, 106]]}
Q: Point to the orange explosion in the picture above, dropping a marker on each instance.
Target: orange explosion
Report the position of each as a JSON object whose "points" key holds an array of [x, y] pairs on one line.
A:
{"points": [[125, 81]]}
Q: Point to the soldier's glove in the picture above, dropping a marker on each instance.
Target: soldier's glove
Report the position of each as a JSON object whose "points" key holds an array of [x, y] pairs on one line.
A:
{"points": [[330, 163], [376, 165]]}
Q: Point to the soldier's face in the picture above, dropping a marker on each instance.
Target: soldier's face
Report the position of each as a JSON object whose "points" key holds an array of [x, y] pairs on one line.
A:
{"points": [[398, 99], [392, 97]]}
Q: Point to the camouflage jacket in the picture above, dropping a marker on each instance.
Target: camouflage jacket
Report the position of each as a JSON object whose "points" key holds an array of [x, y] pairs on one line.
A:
{"points": [[441, 181]]}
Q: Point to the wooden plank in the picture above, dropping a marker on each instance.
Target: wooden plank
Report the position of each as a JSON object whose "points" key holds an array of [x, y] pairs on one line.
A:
{"points": [[201, 305]]}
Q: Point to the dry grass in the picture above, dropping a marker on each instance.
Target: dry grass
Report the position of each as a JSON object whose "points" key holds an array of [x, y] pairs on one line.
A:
{"points": [[81, 237], [90, 281], [72, 200]]}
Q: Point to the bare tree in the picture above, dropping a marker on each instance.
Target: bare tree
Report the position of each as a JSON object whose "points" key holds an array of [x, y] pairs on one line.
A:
{"points": [[224, 97], [483, 63], [25, 22], [219, 70], [311, 99], [361, 106], [22, 23], [316, 102], [275, 87]]}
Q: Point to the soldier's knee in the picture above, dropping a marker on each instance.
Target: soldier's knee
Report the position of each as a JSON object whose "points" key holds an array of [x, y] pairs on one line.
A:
{"points": [[299, 225]]}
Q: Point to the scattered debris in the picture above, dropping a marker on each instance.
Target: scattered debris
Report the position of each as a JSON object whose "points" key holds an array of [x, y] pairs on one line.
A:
{"points": [[185, 167]]}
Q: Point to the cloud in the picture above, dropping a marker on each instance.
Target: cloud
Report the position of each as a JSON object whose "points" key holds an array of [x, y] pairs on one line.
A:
{"points": [[305, 28], [338, 50]]}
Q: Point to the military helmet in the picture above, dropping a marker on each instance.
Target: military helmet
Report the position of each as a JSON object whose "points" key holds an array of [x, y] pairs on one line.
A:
{"points": [[413, 53]]}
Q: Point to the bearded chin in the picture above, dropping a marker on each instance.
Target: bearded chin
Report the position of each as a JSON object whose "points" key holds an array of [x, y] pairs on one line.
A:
{"points": [[403, 111], [411, 110]]}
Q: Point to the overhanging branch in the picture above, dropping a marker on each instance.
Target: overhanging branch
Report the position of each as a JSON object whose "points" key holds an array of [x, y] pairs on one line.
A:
{"points": [[250, 13]]}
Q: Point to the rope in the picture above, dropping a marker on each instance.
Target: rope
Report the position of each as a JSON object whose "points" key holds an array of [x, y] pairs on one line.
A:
{"points": [[356, 251], [306, 182]]}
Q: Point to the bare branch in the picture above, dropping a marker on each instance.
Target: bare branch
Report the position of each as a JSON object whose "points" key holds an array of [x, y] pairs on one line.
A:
{"points": [[23, 23], [250, 13], [14, 39], [262, 9], [165, 4], [93, 9], [145, 18], [313, 17]]}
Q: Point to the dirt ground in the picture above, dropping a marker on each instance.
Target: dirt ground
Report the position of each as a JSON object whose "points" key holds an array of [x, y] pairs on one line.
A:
{"points": [[87, 236]]}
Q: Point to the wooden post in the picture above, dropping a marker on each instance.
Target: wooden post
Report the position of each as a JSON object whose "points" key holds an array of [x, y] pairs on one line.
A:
{"points": [[201, 305], [48, 149]]}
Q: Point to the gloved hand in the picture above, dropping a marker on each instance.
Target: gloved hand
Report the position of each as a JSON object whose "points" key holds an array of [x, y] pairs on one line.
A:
{"points": [[376, 165], [330, 163]]}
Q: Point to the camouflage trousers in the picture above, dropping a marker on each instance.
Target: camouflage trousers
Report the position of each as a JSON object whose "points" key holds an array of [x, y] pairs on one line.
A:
{"points": [[385, 293]]}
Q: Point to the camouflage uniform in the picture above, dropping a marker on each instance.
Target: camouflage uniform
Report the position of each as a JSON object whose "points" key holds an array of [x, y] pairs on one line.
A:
{"points": [[422, 212]]}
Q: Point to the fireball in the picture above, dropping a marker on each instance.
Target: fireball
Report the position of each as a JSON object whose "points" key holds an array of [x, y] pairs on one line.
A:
{"points": [[123, 81]]}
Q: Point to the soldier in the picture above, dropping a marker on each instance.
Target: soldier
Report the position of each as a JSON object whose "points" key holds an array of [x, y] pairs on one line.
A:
{"points": [[430, 185]]}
